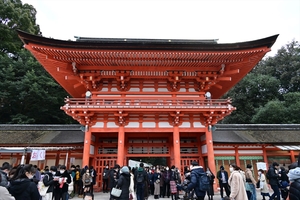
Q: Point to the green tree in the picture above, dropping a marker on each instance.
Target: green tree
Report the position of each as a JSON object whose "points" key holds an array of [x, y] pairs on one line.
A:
{"points": [[29, 94], [292, 104], [280, 112], [284, 66], [15, 15], [265, 88], [272, 113], [254, 91]]}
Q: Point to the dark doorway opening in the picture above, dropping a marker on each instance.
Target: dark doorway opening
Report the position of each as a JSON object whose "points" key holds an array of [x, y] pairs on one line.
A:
{"points": [[151, 160]]}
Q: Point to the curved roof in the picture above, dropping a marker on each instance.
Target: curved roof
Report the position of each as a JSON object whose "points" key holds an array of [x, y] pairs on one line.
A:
{"points": [[145, 44], [216, 67]]}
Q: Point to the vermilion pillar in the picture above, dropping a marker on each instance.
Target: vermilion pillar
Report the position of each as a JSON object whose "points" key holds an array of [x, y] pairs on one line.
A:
{"points": [[86, 147], [237, 158], [210, 152], [265, 156], [292, 156], [176, 145], [121, 145]]}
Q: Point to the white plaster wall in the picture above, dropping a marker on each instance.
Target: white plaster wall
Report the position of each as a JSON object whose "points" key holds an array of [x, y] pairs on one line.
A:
{"points": [[164, 125]]}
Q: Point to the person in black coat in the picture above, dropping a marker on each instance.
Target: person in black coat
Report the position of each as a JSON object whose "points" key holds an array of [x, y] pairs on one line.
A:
{"points": [[105, 178], [22, 187], [93, 174], [113, 178], [222, 176], [294, 178], [124, 183], [283, 183], [273, 177], [210, 192], [48, 181], [62, 183], [196, 172]]}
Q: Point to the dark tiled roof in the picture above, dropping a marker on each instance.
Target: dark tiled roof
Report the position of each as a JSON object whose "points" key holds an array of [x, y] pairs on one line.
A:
{"points": [[40, 134], [229, 133], [259, 133], [144, 44]]}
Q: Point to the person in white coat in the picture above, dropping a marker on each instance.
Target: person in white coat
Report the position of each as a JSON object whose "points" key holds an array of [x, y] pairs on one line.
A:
{"points": [[5, 195], [237, 183], [131, 186], [263, 185]]}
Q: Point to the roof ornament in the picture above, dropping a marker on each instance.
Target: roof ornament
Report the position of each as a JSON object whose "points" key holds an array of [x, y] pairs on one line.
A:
{"points": [[223, 67], [74, 67]]}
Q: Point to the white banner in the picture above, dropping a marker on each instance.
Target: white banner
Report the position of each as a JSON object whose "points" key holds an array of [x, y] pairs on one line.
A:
{"points": [[38, 155], [261, 165]]}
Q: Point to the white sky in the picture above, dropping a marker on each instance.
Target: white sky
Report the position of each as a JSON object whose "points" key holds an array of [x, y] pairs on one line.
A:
{"points": [[229, 21]]}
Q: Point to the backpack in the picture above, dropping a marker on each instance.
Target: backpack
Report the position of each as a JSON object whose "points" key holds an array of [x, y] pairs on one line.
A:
{"points": [[87, 181], [268, 176], [77, 175], [41, 186], [204, 182], [140, 177], [174, 176], [106, 173]]}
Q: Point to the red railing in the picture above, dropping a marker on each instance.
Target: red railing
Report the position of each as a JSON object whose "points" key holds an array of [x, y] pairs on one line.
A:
{"points": [[145, 102]]}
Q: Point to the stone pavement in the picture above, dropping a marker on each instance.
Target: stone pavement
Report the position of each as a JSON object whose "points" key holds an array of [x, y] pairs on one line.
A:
{"points": [[105, 196]]}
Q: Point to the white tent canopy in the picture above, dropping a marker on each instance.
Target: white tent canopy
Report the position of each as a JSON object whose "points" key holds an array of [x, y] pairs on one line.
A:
{"points": [[134, 164]]}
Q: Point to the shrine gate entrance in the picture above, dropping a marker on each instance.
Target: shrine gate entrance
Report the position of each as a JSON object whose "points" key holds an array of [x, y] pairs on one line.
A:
{"points": [[143, 97], [147, 144]]}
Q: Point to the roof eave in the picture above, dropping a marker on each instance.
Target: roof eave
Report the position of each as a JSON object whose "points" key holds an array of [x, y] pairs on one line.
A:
{"points": [[147, 44]]}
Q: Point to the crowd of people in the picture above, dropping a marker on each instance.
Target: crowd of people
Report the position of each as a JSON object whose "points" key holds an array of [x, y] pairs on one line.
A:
{"points": [[141, 182], [243, 184], [162, 182], [28, 182]]}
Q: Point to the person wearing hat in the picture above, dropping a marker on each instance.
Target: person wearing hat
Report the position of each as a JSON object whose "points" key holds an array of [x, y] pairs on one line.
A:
{"points": [[196, 172], [141, 182], [4, 171], [124, 183], [273, 177], [294, 178], [4, 193], [222, 176]]}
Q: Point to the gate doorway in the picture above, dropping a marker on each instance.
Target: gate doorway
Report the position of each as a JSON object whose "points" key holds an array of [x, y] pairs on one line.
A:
{"points": [[153, 161]]}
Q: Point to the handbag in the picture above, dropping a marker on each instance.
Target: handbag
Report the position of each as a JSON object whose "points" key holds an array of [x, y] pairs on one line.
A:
{"points": [[258, 184], [130, 196], [42, 188], [116, 192]]}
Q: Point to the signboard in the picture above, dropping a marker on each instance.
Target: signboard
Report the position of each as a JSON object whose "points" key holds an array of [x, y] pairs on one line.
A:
{"points": [[38, 155], [261, 165]]}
